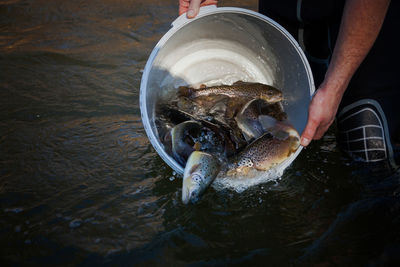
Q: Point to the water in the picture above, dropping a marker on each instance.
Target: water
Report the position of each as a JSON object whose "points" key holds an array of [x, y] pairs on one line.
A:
{"points": [[80, 183]]}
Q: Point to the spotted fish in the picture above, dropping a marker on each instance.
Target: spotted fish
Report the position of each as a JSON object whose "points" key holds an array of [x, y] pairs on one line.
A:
{"points": [[242, 90], [200, 171], [266, 152]]}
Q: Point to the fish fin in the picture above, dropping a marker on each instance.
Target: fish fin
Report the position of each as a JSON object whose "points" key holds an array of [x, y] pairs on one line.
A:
{"points": [[230, 172], [245, 170], [233, 106], [250, 129], [248, 137], [267, 122], [239, 82], [197, 146], [239, 171], [265, 167], [281, 135]]}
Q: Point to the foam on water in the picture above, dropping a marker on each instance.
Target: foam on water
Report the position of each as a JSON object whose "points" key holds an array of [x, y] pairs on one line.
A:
{"points": [[242, 183], [254, 177]]}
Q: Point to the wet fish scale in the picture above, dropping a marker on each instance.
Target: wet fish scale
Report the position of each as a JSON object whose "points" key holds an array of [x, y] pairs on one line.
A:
{"points": [[239, 89], [264, 153], [200, 170]]}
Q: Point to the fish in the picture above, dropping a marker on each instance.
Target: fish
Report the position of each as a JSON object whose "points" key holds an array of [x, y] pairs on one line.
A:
{"points": [[231, 137], [274, 110], [200, 171], [247, 120], [253, 123], [266, 152], [182, 140], [243, 90]]}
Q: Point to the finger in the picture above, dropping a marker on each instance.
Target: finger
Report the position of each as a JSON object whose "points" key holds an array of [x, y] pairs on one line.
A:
{"points": [[194, 7], [321, 130], [209, 2], [309, 132], [183, 6], [319, 133]]}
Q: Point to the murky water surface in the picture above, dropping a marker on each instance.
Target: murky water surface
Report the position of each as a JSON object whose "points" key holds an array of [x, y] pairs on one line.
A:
{"points": [[80, 184]]}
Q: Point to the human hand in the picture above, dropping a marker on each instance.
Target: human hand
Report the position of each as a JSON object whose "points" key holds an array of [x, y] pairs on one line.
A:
{"points": [[321, 113], [192, 7]]}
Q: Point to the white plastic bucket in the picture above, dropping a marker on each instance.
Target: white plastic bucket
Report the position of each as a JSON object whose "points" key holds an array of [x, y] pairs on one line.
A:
{"points": [[224, 45]]}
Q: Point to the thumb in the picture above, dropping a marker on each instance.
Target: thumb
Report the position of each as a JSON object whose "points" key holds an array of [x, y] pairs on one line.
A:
{"points": [[309, 132], [194, 7]]}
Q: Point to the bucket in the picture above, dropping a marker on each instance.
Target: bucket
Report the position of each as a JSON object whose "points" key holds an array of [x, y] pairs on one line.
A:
{"points": [[222, 46]]}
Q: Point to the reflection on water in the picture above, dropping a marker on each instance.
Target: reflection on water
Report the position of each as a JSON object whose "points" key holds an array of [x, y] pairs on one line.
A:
{"points": [[81, 184]]}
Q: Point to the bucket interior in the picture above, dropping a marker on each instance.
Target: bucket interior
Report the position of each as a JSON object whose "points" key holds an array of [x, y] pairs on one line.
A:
{"points": [[222, 48]]}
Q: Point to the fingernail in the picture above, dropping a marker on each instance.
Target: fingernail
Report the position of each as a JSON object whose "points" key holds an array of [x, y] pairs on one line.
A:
{"points": [[305, 141], [190, 13]]}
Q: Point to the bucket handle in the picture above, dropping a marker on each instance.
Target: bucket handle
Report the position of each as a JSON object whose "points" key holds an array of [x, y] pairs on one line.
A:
{"points": [[182, 19]]}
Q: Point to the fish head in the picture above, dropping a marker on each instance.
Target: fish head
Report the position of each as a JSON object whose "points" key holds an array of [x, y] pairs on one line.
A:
{"points": [[295, 142], [192, 189], [200, 171], [272, 95]]}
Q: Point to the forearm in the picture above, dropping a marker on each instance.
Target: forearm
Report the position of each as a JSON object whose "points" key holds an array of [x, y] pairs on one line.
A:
{"points": [[360, 25]]}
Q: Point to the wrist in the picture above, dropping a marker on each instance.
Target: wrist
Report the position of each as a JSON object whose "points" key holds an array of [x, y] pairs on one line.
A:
{"points": [[333, 89], [336, 80]]}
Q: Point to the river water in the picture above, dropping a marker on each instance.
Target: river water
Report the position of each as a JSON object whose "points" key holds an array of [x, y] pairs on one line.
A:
{"points": [[80, 184]]}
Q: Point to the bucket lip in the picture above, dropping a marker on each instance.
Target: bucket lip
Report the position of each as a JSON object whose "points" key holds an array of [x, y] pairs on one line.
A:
{"points": [[181, 22]]}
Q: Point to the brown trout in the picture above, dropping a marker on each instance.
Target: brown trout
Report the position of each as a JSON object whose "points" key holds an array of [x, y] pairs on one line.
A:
{"points": [[244, 90], [200, 171], [266, 152]]}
